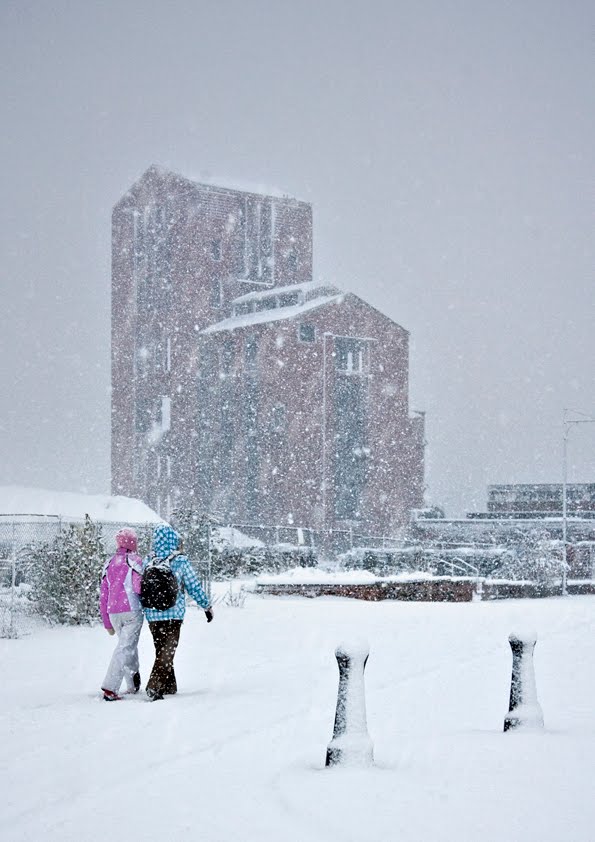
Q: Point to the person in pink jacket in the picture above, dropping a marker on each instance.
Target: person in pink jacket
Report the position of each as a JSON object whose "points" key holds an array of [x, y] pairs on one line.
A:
{"points": [[121, 613]]}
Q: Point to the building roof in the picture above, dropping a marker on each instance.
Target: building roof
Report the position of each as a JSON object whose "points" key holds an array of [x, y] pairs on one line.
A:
{"points": [[18, 501], [275, 315], [208, 182], [308, 288]]}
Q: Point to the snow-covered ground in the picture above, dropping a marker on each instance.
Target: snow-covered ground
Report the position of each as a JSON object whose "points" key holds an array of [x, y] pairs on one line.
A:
{"points": [[238, 755]]}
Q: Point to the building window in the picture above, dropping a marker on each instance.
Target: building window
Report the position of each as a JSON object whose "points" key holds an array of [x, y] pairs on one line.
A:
{"points": [[139, 237], [216, 292], [144, 415], [351, 447], [251, 353], [278, 418], [216, 249], [243, 308], [352, 355], [226, 359], [288, 299], [265, 304], [165, 413], [307, 333]]}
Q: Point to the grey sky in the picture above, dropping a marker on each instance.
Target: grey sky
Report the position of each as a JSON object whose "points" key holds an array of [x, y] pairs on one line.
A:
{"points": [[447, 149]]}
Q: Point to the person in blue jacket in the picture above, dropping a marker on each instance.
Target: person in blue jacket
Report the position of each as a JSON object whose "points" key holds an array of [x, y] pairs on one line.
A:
{"points": [[165, 626]]}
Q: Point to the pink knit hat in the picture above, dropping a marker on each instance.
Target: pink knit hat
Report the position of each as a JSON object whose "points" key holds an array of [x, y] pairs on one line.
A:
{"points": [[126, 539]]}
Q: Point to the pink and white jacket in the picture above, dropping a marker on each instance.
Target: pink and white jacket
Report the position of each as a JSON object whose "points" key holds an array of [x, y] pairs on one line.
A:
{"points": [[120, 585]]}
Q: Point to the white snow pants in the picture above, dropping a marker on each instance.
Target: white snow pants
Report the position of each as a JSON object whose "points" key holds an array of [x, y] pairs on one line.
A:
{"points": [[124, 662]]}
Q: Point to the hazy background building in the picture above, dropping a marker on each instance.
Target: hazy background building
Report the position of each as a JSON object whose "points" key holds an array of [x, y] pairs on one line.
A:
{"points": [[241, 385]]}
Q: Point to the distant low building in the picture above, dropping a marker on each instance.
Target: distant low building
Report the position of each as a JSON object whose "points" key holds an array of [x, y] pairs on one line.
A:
{"points": [[540, 500], [516, 515]]}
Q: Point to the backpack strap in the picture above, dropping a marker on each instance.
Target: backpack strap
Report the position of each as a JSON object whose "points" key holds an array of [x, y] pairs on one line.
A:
{"points": [[132, 566]]}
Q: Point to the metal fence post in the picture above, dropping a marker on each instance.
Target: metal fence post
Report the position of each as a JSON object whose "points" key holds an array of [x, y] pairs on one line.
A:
{"points": [[12, 628]]}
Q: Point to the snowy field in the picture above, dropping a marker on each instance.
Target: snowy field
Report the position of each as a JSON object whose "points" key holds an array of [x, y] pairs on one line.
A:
{"points": [[238, 755]]}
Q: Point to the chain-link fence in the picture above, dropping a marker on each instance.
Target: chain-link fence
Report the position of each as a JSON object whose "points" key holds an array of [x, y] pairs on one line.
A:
{"points": [[21, 535], [333, 541]]}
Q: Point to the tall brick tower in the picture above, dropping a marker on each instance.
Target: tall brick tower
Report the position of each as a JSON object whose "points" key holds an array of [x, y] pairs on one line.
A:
{"points": [[181, 251]]}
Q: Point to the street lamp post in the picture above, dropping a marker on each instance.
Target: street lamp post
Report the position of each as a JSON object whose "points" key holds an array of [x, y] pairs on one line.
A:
{"points": [[567, 424]]}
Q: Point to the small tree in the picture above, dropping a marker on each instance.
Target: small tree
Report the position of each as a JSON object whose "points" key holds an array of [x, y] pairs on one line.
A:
{"points": [[65, 575], [195, 529], [537, 559]]}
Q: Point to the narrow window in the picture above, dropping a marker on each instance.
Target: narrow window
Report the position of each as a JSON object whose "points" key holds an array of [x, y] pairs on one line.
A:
{"points": [[279, 418], [165, 413], [168, 354], [251, 352], [216, 292], [143, 415]]}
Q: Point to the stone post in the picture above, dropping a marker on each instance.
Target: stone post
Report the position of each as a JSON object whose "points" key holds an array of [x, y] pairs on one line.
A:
{"points": [[351, 744], [524, 711]]}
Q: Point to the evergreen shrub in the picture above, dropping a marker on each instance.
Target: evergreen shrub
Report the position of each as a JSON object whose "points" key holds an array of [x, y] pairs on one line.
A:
{"points": [[66, 575]]}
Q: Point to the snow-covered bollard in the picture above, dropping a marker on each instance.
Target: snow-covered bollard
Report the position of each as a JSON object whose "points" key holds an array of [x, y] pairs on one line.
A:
{"points": [[524, 711], [351, 744]]}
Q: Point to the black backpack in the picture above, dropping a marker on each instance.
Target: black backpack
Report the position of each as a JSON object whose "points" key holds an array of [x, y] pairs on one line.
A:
{"points": [[159, 587]]}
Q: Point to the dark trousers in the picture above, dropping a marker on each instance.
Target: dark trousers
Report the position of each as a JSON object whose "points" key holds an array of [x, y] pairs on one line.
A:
{"points": [[166, 635]]}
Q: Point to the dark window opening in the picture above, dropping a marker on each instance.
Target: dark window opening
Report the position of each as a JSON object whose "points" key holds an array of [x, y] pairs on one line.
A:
{"points": [[264, 304], [144, 415], [243, 308], [278, 418], [307, 333], [227, 354], [351, 451], [251, 353], [351, 355], [216, 293], [288, 299]]}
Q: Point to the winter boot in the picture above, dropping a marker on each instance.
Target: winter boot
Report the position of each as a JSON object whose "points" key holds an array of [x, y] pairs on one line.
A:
{"points": [[154, 695], [110, 696]]}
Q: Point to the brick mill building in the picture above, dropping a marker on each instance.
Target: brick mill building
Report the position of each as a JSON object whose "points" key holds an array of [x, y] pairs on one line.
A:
{"points": [[239, 384]]}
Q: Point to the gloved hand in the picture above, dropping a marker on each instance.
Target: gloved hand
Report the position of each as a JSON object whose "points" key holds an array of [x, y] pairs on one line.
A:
{"points": [[209, 614], [110, 631]]}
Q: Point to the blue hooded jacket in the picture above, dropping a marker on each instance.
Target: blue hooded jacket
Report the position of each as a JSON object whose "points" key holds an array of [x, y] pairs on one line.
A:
{"points": [[165, 542]]}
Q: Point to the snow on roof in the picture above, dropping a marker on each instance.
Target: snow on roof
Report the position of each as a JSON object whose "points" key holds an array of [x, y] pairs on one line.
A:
{"points": [[243, 186], [223, 536], [306, 287], [206, 179], [16, 500], [276, 315]]}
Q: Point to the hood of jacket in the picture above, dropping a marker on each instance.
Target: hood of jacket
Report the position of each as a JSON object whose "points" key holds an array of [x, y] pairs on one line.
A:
{"points": [[165, 540]]}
